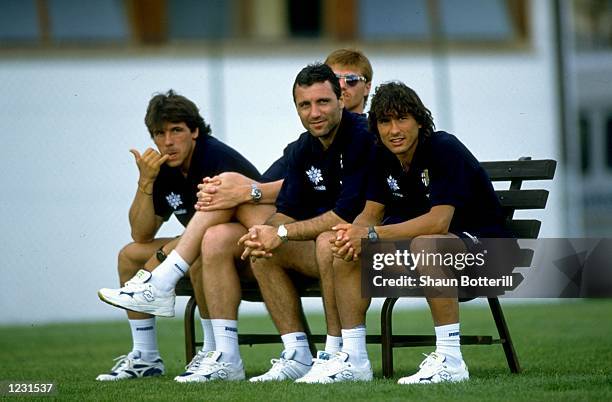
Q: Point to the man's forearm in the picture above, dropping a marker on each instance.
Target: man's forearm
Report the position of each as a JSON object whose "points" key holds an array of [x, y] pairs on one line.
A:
{"points": [[311, 228], [269, 191], [143, 221], [278, 219], [371, 215]]}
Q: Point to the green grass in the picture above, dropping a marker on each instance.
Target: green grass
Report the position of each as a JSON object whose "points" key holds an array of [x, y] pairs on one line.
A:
{"points": [[565, 350]]}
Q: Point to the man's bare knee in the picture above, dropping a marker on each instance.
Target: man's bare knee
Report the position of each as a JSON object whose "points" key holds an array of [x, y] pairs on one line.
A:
{"points": [[219, 239], [324, 252], [132, 255]]}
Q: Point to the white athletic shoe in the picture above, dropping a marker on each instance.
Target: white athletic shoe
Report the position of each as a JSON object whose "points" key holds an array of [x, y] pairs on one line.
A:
{"points": [[139, 295], [132, 366], [435, 369], [318, 365], [206, 366], [284, 368], [338, 369]]}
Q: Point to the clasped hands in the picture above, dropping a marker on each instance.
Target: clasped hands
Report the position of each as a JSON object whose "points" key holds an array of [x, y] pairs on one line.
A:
{"points": [[223, 191], [261, 240]]}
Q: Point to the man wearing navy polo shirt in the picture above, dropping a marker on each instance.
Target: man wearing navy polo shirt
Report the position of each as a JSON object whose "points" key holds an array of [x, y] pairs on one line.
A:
{"points": [[168, 179], [324, 186], [428, 187]]}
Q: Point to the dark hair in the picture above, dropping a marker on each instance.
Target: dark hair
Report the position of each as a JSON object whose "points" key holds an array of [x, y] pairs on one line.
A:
{"points": [[395, 98], [317, 73], [173, 108]]}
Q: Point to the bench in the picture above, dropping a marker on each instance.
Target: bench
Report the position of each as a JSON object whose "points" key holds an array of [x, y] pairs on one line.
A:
{"points": [[512, 199]]}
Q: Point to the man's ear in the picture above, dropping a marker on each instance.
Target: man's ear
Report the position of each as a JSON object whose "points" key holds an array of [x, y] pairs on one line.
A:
{"points": [[195, 133]]}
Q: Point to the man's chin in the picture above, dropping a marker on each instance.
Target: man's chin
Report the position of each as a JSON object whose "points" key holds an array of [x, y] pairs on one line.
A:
{"points": [[173, 163]]}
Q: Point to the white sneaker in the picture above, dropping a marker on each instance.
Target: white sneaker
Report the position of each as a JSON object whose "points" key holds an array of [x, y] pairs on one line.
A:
{"points": [[193, 365], [338, 369], [318, 365], [284, 368], [132, 366], [139, 295], [435, 369], [206, 366]]}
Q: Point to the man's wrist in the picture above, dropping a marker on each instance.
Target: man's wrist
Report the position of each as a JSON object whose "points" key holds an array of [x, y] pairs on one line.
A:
{"points": [[145, 187], [146, 184]]}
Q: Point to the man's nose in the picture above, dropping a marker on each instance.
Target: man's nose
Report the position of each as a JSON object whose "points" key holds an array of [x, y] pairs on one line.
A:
{"points": [[394, 126], [315, 110]]}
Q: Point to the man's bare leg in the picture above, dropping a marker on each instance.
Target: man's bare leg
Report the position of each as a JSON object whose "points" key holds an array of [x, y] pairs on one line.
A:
{"points": [[154, 293], [325, 260], [352, 309], [145, 351], [283, 304], [446, 364]]}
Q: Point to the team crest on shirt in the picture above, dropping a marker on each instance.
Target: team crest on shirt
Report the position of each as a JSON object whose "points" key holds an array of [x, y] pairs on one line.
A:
{"points": [[175, 201], [425, 180], [394, 186], [315, 177]]}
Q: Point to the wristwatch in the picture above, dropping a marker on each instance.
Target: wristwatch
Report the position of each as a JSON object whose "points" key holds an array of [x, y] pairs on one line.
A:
{"points": [[255, 193], [282, 233], [372, 235], [160, 254]]}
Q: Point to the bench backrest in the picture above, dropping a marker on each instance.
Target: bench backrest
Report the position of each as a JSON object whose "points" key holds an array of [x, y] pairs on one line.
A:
{"points": [[516, 172]]}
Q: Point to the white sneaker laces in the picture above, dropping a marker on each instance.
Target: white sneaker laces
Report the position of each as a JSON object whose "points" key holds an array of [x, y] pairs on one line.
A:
{"points": [[122, 360], [194, 364]]}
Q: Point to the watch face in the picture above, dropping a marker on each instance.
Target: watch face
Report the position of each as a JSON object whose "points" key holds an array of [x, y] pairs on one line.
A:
{"points": [[372, 235], [255, 194]]}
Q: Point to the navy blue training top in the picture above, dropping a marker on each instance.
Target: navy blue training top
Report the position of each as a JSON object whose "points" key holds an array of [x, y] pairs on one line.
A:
{"points": [[175, 194], [443, 172], [320, 180]]}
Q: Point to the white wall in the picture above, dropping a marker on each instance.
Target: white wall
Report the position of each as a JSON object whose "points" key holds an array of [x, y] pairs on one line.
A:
{"points": [[67, 123]]}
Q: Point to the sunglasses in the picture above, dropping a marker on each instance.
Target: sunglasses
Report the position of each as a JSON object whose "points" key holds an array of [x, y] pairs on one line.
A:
{"points": [[351, 79]]}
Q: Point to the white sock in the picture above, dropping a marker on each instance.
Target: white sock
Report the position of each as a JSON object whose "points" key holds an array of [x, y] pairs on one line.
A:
{"points": [[448, 342], [168, 273], [209, 335], [354, 343], [333, 344], [144, 338], [298, 341], [226, 339]]}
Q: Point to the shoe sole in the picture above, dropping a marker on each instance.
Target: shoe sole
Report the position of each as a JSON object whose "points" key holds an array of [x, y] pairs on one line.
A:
{"points": [[439, 382], [131, 378], [105, 300], [213, 380]]}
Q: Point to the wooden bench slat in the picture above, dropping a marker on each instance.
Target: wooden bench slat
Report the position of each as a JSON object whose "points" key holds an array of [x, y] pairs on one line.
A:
{"points": [[520, 170], [524, 228], [522, 199]]}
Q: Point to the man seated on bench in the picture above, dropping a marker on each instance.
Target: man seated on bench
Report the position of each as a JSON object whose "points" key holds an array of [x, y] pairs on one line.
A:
{"points": [[324, 186], [428, 187], [167, 185]]}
